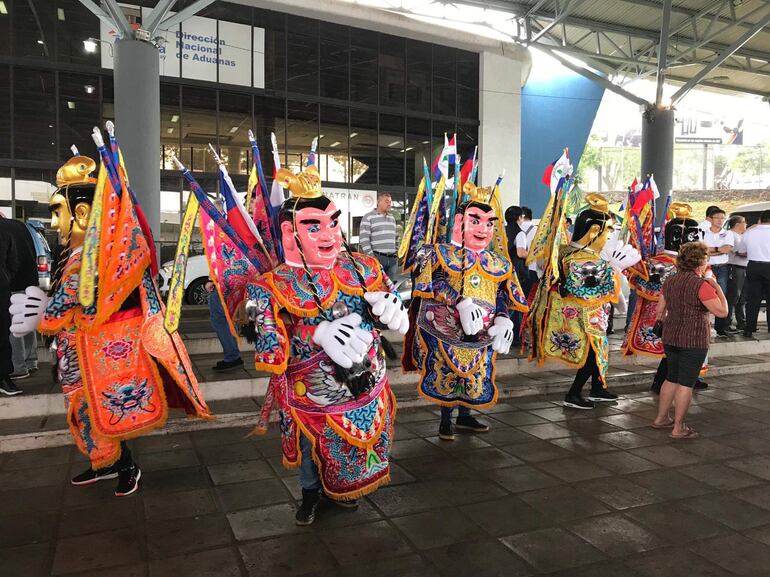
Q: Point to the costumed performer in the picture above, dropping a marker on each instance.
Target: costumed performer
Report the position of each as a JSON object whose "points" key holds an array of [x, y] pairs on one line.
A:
{"points": [[314, 317], [119, 370]]}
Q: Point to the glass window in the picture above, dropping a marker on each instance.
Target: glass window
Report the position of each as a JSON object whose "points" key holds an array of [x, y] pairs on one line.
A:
{"points": [[467, 140], [5, 112], [234, 125], [392, 65], [335, 53], [270, 117], [34, 105], [302, 61], [170, 125], [78, 111], [333, 144], [363, 147], [170, 211], [440, 131], [417, 148], [199, 128], [363, 66], [32, 190], [275, 47], [418, 75], [467, 84], [108, 98], [391, 150], [33, 29], [5, 28], [302, 128], [5, 192], [75, 23], [444, 81]]}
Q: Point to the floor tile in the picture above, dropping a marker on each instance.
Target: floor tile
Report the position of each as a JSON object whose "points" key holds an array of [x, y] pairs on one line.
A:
{"points": [[549, 550]]}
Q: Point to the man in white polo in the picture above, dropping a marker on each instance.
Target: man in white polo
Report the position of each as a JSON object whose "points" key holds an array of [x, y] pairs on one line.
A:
{"points": [[720, 243], [757, 243]]}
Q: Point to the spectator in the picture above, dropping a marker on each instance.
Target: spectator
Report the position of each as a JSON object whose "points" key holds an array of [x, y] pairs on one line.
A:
{"points": [[9, 265], [514, 218], [377, 235], [720, 243], [736, 298], [705, 224], [232, 359], [24, 349], [523, 242], [688, 296], [756, 240]]}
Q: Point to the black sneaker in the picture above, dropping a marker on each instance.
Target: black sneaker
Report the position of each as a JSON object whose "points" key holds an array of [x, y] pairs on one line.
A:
{"points": [[748, 334], [90, 476], [602, 395], [577, 402], [722, 335], [19, 375], [223, 366], [306, 512], [445, 432], [700, 385], [471, 424], [732, 331], [8, 387], [128, 481]]}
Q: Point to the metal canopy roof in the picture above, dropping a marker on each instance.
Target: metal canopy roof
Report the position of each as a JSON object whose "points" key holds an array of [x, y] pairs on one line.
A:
{"points": [[720, 43]]}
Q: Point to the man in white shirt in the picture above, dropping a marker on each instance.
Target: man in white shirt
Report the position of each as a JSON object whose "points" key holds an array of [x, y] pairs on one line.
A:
{"points": [[736, 298], [720, 243], [757, 243], [523, 242], [705, 224]]}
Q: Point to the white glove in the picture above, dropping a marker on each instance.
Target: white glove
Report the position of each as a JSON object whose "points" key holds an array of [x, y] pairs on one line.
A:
{"points": [[27, 310], [621, 256], [471, 316], [502, 335], [389, 309], [343, 340]]}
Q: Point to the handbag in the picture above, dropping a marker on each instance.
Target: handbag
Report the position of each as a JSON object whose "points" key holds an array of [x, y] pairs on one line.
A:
{"points": [[657, 329]]}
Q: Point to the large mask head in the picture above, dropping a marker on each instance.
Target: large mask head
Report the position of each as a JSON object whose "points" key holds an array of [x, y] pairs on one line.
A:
{"points": [[70, 205], [475, 221], [309, 221], [593, 226], [681, 228]]}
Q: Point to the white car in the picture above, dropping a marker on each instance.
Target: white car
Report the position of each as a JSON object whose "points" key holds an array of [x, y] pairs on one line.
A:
{"points": [[194, 281]]}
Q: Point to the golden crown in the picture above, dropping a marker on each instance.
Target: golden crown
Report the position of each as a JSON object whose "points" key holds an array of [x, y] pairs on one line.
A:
{"points": [[597, 202], [477, 193], [306, 184], [679, 210], [77, 170]]}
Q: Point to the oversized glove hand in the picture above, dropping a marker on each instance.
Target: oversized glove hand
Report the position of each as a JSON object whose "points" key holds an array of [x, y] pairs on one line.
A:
{"points": [[502, 335], [621, 256], [471, 316], [343, 340], [389, 309], [27, 310]]}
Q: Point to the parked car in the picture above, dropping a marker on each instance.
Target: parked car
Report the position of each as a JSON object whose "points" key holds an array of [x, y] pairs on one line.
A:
{"points": [[42, 252], [751, 211], [194, 281]]}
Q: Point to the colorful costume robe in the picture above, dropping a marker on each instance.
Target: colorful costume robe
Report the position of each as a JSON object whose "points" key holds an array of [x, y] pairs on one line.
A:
{"points": [[456, 369], [578, 310], [640, 338], [118, 377], [350, 437]]}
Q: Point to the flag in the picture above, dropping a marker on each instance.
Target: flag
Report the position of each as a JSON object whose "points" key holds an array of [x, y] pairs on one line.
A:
{"points": [[176, 284], [642, 198], [440, 166], [311, 157], [236, 212], [556, 171]]}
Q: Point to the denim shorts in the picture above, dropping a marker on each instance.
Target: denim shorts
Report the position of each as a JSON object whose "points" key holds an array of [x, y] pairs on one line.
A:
{"points": [[684, 365]]}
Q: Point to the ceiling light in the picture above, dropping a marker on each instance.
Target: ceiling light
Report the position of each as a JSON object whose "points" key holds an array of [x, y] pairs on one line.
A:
{"points": [[408, 148], [334, 144], [71, 104], [426, 141], [394, 143], [89, 45], [320, 136], [90, 89], [40, 42], [174, 118], [170, 130], [3, 9], [353, 134], [60, 14], [233, 130]]}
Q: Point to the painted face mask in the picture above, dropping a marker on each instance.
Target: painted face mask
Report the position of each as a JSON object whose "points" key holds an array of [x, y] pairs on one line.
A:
{"points": [[319, 234], [479, 228]]}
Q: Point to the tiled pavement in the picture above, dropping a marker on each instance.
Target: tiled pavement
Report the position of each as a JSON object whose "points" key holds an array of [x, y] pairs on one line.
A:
{"points": [[573, 494]]}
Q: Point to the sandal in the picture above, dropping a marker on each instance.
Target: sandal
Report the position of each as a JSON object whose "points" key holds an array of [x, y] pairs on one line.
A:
{"points": [[666, 425], [688, 434]]}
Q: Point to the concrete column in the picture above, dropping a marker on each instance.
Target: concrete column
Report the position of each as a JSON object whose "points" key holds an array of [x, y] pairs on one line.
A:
{"points": [[658, 150], [500, 117], [137, 121]]}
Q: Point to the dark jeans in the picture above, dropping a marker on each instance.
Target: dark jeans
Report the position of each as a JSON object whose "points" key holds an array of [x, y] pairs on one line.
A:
{"points": [[308, 472], [389, 265], [446, 413], [757, 288], [722, 274], [736, 297], [589, 370], [6, 352], [630, 308], [222, 328]]}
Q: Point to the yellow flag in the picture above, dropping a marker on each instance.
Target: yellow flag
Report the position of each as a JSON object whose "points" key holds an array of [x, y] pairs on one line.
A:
{"points": [[176, 285], [90, 263]]}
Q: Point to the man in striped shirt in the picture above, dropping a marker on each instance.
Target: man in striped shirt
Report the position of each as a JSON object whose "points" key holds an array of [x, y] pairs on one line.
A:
{"points": [[377, 235]]}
